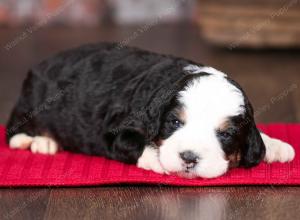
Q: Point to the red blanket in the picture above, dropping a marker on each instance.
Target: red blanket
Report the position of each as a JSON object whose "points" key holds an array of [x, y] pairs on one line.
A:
{"points": [[22, 168]]}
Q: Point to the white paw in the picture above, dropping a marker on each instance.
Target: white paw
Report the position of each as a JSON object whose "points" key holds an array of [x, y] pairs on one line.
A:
{"points": [[20, 141], [149, 160], [277, 150], [44, 145]]}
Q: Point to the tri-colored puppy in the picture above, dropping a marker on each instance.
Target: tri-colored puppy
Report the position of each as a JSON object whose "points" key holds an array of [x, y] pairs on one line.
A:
{"points": [[163, 113]]}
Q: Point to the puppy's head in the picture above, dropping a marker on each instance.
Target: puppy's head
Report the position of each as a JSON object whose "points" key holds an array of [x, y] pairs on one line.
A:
{"points": [[208, 127]]}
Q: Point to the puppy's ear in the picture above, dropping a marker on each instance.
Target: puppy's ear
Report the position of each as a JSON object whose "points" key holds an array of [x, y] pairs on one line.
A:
{"points": [[254, 149], [125, 144]]}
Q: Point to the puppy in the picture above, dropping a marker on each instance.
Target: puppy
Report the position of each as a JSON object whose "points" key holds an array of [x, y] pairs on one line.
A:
{"points": [[163, 113]]}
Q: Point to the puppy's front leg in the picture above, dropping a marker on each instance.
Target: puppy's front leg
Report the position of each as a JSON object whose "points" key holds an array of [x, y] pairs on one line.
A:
{"points": [[150, 161], [277, 150]]}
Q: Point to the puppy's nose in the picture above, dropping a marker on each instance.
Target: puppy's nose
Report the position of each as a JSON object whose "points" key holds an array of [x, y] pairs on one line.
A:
{"points": [[189, 157]]}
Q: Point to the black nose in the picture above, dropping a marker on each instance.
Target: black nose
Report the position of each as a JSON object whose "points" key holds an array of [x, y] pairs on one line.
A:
{"points": [[189, 157]]}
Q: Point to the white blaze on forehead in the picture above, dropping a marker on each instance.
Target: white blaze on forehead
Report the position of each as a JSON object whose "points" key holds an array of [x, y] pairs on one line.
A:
{"points": [[210, 99], [194, 69]]}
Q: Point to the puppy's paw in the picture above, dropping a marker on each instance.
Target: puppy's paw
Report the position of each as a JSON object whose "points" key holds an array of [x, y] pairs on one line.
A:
{"points": [[149, 160], [277, 150], [20, 141], [44, 145]]}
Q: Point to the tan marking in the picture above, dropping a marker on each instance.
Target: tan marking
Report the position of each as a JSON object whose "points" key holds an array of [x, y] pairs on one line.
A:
{"points": [[224, 125], [234, 159], [158, 142], [181, 115]]}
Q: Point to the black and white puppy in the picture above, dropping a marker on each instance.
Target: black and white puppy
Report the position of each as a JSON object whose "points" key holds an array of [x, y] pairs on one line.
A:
{"points": [[163, 113]]}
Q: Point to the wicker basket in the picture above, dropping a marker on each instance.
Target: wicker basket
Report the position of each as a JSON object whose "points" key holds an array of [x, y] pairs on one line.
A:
{"points": [[254, 24]]}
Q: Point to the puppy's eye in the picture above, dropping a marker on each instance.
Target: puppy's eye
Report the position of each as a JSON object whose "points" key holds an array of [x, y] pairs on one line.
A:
{"points": [[225, 134], [176, 123]]}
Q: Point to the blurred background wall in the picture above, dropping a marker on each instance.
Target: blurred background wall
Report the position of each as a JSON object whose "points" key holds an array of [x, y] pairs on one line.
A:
{"points": [[230, 23], [93, 12], [256, 42]]}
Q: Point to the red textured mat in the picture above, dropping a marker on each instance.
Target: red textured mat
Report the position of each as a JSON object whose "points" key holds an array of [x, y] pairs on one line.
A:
{"points": [[22, 168]]}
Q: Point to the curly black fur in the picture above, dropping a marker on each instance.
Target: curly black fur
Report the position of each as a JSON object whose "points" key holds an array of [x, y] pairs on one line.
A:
{"points": [[92, 97], [101, 100]]}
